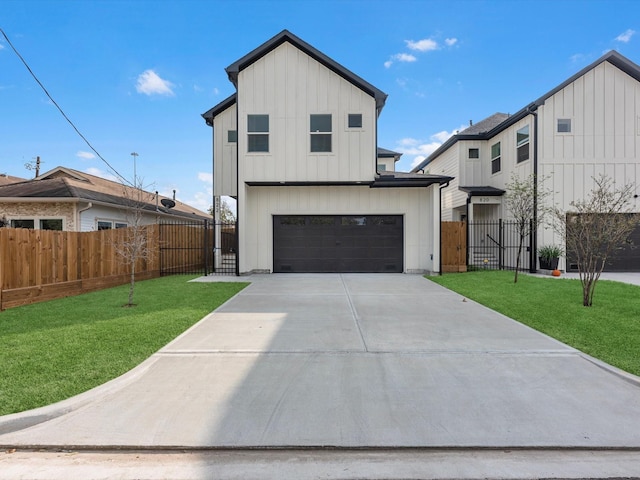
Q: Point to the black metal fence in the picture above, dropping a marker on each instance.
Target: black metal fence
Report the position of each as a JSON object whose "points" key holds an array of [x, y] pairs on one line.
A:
{"points": [[200, 247], [493, 245]]}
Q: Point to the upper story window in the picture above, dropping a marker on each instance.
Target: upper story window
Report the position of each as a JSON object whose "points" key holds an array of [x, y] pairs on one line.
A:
{"points": [[355, 120], [320, 130], [257, 133], [474, 153], [232, 136], [522, 144], [495, 158], [381, 167], [564, 125]]}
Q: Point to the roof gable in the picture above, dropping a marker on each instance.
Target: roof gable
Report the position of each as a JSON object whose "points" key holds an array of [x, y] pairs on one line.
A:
{"points": [[613, 57], [285, 36]]}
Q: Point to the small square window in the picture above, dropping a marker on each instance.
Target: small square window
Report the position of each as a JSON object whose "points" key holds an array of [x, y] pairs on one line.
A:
{"points": [[232, 136], [381, 167], [474, 153], [355, 120], [564, 125]]}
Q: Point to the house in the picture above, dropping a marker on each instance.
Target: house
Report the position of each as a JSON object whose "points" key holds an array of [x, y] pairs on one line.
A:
{"points": [[587, 125], [66, 199], [295, 145]]}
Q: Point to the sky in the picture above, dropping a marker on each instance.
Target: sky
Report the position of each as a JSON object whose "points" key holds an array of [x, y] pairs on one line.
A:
{"points": [[135, 76]]}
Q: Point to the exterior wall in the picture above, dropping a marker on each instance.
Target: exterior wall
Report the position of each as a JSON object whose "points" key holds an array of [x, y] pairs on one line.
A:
{"points": [[225, 172], [389, 164], [419, 206], [37, 211], [89, 218], [289, 86], [449, 164]]}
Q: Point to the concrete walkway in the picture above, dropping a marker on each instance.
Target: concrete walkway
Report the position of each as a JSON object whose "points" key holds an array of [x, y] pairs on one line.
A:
{"points": [[362, 361]]}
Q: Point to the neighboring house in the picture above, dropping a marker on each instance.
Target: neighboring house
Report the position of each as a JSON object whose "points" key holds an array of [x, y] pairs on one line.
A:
{"points": [[66, 199], [8, 179], [588, 125], [296, 146]]}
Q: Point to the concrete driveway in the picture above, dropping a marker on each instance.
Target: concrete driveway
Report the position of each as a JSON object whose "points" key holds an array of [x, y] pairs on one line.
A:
{"points": [[350, 361]]}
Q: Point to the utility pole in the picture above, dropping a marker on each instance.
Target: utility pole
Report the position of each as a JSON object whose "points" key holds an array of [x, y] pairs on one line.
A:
{"points": [[135, 178]]}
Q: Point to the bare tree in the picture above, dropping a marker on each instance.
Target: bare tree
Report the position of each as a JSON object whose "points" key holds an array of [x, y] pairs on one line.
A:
{"points": [[594, 228], [526, 204], [226, 214], [135, 245]]}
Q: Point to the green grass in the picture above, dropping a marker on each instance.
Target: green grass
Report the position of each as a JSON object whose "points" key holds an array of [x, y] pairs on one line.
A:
{"points": [[609, 330], [53, 350]]}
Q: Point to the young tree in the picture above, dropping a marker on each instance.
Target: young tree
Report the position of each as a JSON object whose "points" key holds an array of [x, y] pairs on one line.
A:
{"points": [[135, 245], [226, 214], [594, 228], [522, 199]]}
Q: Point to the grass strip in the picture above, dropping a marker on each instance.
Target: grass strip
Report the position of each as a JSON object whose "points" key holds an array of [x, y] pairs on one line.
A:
{"points": [[609, 330], [53, 350]]}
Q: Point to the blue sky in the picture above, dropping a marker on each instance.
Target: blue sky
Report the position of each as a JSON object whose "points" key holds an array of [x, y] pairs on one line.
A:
{"points": [[134, 76]]}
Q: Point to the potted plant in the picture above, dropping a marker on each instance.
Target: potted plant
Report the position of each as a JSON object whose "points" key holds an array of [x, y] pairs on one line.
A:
{"points": [[549, 256]]}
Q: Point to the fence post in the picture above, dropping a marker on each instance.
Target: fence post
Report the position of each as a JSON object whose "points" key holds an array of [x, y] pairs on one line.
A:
{"points": [[500, 249], [205, 244], [532, 248]]}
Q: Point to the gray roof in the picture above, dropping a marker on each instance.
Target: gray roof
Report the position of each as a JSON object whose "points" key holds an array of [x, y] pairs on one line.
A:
{"points": [[385, 153], [485, 125], [213, 112], [484, 191], [285, 36], [613, 57]]}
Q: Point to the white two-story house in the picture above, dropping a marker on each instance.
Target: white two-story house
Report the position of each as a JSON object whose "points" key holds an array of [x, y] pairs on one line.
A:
{"points": [[586, 126], [295, 145]]}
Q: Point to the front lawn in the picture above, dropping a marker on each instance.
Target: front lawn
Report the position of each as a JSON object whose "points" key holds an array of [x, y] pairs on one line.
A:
{"points": [[53, 350], [609, 330]]}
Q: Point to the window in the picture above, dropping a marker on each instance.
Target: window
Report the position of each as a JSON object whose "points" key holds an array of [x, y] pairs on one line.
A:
{"points": [[104, 225], [522, 144], [258, 133], [381, 167], [564, 125], [495, 158], [22, 224], [320, 129], [354, 221], [355, 120], [121, 225], [474, 153], [232, 136], [51, 224]]}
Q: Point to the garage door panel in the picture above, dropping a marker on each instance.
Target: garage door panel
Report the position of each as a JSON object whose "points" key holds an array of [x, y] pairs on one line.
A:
{"points": [[346, 243]]}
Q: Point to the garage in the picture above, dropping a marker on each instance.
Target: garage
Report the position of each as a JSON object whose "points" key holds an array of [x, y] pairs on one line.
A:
{"points": [[338, 244], [626, 258]]}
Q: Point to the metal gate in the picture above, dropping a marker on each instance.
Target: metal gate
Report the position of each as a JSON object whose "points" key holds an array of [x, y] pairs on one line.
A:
{"points": [[197, 246], [494, 246]]}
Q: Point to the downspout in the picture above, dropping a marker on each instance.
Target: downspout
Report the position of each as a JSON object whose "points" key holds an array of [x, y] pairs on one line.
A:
{"points": [[237, 246], [89, 205], [534, 240]]}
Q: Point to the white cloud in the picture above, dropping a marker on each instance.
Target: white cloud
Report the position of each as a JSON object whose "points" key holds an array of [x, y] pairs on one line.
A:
{"points": [[450, 41], [400, 57], [150, 83], [205, 177], [424, 45], [216, 91], [85, 155], [102, 174], [625, 37], [422, 149], [1, 47], [388, 63]]}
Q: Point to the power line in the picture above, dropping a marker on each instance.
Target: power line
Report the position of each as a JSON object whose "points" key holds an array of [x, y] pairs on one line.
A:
{"points": [[60, 109]]}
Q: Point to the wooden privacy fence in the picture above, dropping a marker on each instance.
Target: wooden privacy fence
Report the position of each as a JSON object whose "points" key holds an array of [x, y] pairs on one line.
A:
{"points": [[38, 265]]}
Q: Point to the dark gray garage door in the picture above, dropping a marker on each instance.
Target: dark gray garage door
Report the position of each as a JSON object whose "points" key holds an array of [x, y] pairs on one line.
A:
{"points": [[342, 243], [625, 259]]}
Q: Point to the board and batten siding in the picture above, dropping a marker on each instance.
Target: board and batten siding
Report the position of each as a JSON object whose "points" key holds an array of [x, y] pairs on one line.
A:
{"points": [[448, 164], [225, 171], [604, 108], [289, 86], [419, 206]]}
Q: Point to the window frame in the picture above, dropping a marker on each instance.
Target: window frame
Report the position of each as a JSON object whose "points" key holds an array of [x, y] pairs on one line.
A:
{"points": [[320, 133], [235, 136], [569, 123], [497, 159], [257, 133], [520, 144], [37, 222], [356, 128], [476, 150]]}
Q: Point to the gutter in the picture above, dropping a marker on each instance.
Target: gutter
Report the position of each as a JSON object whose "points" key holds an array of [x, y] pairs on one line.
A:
{"points": [[78, 212]]}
